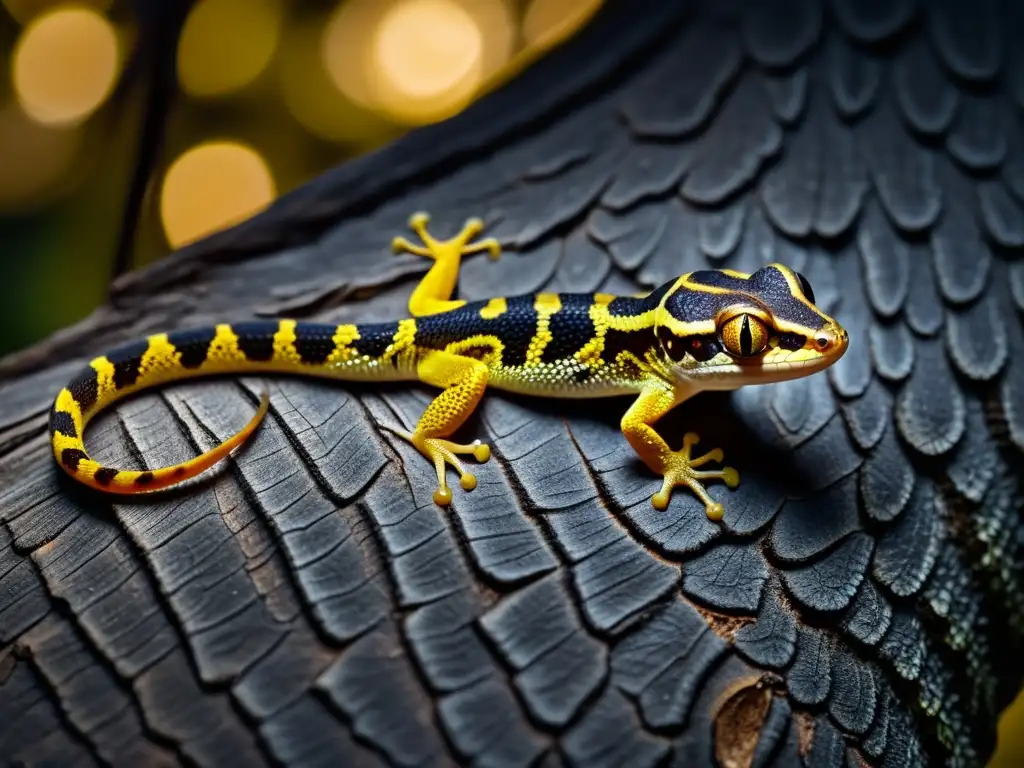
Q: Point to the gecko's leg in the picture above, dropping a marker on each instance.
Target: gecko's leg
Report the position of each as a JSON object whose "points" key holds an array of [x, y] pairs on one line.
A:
{"points": [[433, 294], [463, 381], [675, 467]]}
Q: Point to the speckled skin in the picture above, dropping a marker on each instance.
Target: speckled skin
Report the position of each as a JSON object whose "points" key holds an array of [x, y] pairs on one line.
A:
{"points": [[704, 330]]}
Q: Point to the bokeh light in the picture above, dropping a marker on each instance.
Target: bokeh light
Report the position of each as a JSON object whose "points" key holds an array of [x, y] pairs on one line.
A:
{"points": [[24, 11], [428, 57], [64, 65], [36, 159], [314, 100], [226, 44], [499, 30], [548, 22], [416, 61], [310, 84], [344, 47], [212, 186]]}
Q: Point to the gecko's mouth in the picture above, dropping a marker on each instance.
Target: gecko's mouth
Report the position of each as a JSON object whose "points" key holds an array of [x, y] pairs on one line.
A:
{"points": [[726, 372], [801, 367]]}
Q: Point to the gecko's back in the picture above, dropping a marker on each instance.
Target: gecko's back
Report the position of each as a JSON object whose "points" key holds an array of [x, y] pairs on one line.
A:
{"points": [[557, 344]]}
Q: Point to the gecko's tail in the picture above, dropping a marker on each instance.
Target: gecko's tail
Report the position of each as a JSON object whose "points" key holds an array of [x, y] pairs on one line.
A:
{"points": [[371, 352], [70, 452]]}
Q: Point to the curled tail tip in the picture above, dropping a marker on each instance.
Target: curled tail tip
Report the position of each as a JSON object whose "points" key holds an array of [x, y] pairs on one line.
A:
{"points": [[179, 473], [130, 482], [187, 470]]}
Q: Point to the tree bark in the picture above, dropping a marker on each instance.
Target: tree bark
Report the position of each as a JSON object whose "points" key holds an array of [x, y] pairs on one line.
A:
{"points": [[860, 603]]}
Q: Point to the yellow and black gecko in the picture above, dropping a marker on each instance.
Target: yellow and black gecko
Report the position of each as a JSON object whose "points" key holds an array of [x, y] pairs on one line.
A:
{"points": [[706, 330]]}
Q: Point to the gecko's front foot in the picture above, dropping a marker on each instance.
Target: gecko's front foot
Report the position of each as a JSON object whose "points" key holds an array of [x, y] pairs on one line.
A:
{"points": [[460, 245], [682, 470]]}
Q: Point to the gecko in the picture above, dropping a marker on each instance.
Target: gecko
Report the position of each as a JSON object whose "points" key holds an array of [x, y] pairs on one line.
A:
{"points": [[704, 330]]}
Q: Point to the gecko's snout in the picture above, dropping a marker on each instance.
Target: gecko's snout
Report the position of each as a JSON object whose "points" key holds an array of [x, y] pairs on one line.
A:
{"points": [[832, 340]]}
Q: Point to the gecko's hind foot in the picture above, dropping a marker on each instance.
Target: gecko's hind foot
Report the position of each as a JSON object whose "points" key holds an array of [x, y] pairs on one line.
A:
{"points": [[460, 245], [682, 470], [441, 453], [444, 452]]}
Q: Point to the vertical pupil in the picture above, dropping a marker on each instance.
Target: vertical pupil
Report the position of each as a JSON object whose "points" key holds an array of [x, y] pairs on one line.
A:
{"points": [[746, 340]]}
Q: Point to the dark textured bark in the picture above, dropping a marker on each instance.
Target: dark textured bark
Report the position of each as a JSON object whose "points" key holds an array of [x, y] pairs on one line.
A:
{"points": [[310, 605]]}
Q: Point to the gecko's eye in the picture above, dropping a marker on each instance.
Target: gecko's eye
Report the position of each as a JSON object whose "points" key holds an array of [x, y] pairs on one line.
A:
{"points": [[805, 287], [744, 335]]}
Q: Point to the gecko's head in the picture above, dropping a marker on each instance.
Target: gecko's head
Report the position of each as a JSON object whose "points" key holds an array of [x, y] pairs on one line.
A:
{"points": [[722, 329]]}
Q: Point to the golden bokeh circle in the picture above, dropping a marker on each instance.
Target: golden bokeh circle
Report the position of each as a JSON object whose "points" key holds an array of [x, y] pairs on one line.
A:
{"points": [[426, 49], [64, 65], [210, 187], [315, 101], [225, 45], [416, 61], [344, 46]]}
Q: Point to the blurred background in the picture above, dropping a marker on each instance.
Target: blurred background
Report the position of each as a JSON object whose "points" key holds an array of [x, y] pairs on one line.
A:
{"points": [[270, 93]]}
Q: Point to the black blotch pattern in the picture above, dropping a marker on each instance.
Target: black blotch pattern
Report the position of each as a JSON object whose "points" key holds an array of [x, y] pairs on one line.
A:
{"points": [[703, 348], [691, 306], [105, 475], [126, 361], [571, 327], [85, 389], [256, 340], [792, 340], [674, 346], [637, 342], [581, 375], [374, 338], [144, 479], [516, 329], [628, 306], [126, 373], [192, 345], [770, 286], [438, 331], [70, 457], [314, 342], [62, 422]]}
